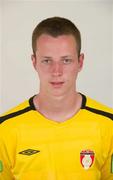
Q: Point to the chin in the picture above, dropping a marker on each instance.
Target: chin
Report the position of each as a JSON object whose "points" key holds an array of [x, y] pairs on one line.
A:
{"points": [[58, 93]]}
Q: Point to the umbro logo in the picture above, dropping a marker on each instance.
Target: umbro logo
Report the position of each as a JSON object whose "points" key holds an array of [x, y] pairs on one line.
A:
{"points": [[29, 152]]}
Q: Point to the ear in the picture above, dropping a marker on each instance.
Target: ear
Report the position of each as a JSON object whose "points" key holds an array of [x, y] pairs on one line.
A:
{"points": [[33, 58], [81, 60]]}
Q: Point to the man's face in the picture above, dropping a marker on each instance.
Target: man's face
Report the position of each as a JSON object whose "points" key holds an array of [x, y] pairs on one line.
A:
{"points": [[57, 64]]}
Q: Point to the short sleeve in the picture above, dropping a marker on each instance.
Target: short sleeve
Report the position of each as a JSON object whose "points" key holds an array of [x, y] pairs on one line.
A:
{"points": [[107, 169], [5, 165]]}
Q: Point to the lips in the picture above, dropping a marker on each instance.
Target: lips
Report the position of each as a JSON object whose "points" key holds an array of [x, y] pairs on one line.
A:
{"points": [[57, 84]]}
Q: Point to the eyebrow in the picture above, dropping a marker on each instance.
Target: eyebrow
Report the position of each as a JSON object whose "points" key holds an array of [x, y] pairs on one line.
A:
{"points": [[49, 57], [68, 56]]}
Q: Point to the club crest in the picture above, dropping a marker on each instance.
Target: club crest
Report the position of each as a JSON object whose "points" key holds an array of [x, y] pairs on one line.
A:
{"points": [[87, 158]]}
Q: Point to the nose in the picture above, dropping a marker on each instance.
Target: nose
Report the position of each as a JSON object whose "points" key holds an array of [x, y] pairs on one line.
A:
{"points": [[57, 69]]}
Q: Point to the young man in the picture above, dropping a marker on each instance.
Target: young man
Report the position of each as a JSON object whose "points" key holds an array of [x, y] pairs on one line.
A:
{"points": [[58, 134]]}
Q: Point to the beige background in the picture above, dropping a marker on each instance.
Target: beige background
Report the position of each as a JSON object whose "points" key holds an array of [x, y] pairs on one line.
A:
{"points": [[18, 81]]}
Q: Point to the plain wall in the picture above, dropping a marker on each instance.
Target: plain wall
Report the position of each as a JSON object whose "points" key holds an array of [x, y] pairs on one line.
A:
{"points": [[112, 55], [94, 19], [0, 54]]}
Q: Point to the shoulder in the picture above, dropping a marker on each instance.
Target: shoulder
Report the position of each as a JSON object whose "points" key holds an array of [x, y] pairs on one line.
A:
{"points": [[100, 118], [98, 105], [18, 110], [97, 108]]}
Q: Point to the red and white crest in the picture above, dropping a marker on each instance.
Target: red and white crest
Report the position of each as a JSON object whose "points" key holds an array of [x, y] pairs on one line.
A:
{"points": [[87, 158]]}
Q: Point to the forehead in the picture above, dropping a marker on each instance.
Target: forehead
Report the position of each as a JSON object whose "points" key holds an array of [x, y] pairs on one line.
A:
{"points": [[45, 39], [49, 46]]}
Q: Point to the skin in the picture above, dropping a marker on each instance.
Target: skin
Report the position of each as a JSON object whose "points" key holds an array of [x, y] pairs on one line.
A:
{"points": [[57, 64]]}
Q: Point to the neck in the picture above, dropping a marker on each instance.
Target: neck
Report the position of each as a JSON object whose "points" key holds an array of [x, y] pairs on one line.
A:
{"points": [[59, 108]]}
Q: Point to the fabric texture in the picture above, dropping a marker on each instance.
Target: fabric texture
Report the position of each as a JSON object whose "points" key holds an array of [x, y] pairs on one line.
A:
{"points": [[80, 148]]}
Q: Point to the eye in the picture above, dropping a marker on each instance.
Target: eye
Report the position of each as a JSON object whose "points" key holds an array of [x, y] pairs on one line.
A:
{"points": [[67, 61], [46, 61]]}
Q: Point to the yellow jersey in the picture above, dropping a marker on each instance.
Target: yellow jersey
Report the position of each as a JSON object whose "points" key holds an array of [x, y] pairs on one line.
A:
{"points": [[33, 147]]}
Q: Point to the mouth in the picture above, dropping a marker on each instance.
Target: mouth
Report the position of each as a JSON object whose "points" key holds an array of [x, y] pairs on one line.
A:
{"points": [[57, 84]]}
